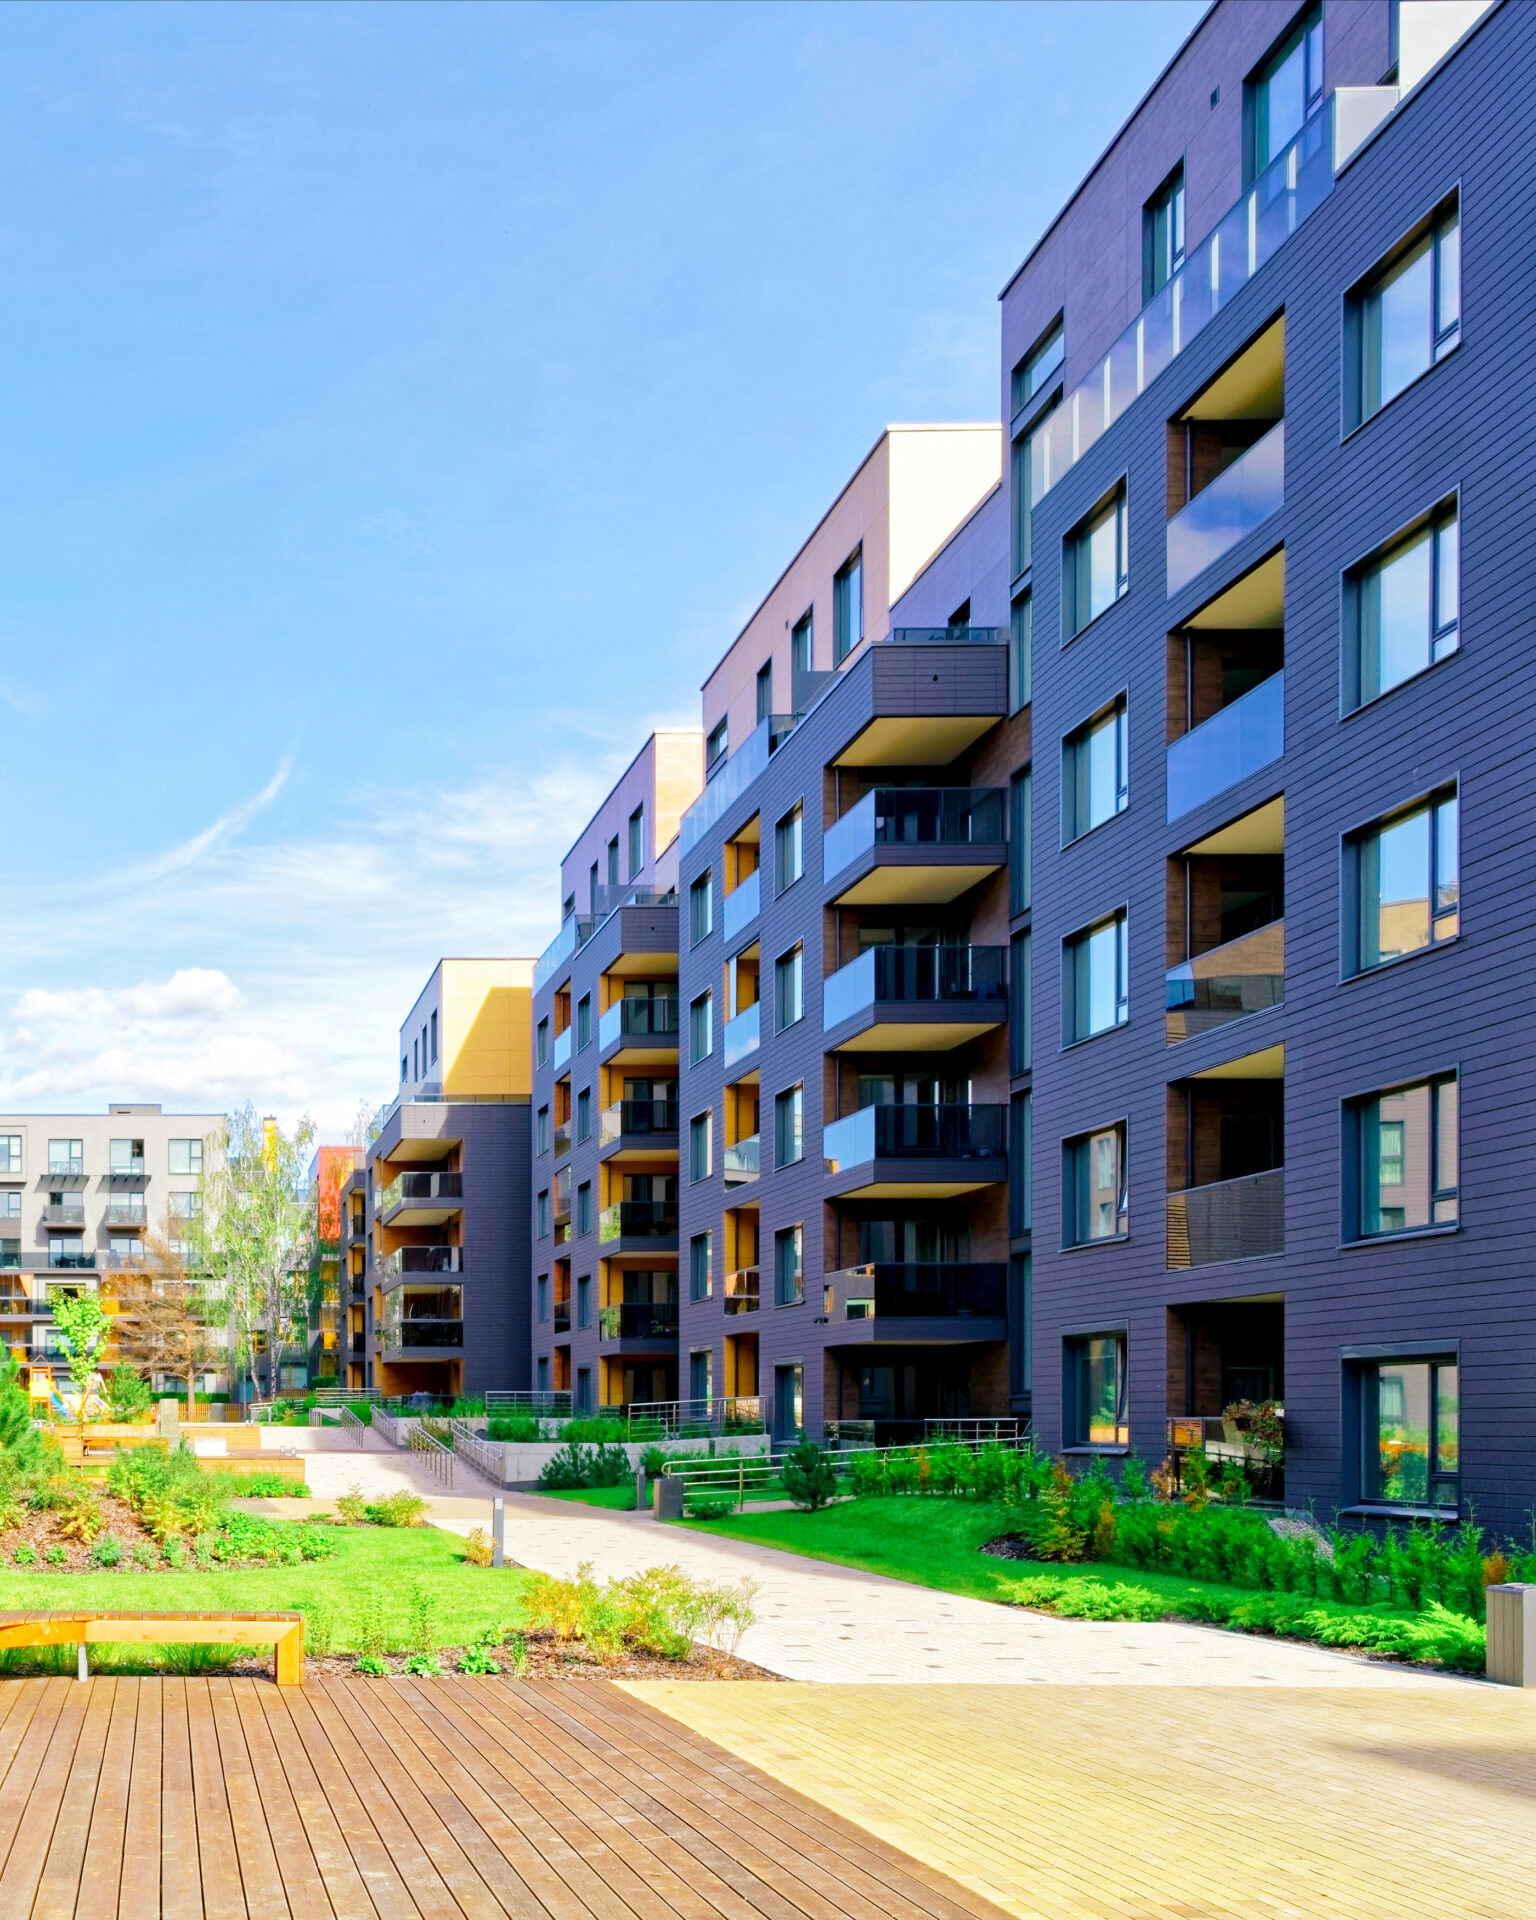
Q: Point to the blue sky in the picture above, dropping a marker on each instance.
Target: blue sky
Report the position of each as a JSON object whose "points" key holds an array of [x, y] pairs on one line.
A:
{"points": [[404, 406]]}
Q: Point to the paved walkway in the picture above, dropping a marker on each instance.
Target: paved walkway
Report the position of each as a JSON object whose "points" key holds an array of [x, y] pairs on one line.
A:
{"points": [[822, 1622]]}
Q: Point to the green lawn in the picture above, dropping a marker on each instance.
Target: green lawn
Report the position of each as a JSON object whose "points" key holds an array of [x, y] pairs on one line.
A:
{"points": [[617, 1499], [387, 1560]]}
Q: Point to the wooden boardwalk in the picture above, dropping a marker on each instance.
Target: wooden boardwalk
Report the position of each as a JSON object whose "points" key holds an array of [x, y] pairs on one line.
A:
{"points": [[221, 1798]]}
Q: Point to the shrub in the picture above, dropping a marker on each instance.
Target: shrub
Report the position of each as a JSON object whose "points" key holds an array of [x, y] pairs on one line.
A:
{"points": [[351, 1508], [576, 1466], [1089, 1600], [476, 1657], [519, 1428], [402, 1509], [1056, 1535], [810, 1479], [479, 1550], [370, 1626], [319, 1628], [559, 1606], [143, 1554], [422, 1610], [127, 1396], [55, 1556], [12, 1513], [602, 1429], [726, 1614], [78, 1516], [426, 1666], [24, 1555], [518, 1647], [107, 1550], [372, 1665]]}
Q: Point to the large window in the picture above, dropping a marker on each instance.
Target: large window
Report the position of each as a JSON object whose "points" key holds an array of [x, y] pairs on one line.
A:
{"points": [[541, 1131], [1019, 872], [67, 1156], [1021, 1207], [701, 909], [584, 1300], [788, 1266], [700, 1266], [789, 1126], [1095, 570], [1405, 319], [1094, 973], [584, 1022], [1407, 1158], [1019, 995], [700, 1147], [788, 989], [1034, 371], [540, 1055], [584, 1114], [636, 842], [789, 849], [848, 605], [1093, 1187], [1407, 885], [10, 1152], [542, 1213], [584, 1207], [1411, 1439], [541, 1296], [1402, 609], [1097, 1415], [1094, 785], [1285, 92], [701, 1028], [1020, 630], [185, 1156], [1162, 235]]}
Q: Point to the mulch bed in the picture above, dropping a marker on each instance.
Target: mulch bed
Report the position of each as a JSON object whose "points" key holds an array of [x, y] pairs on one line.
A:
{"points": [[39, 1530], [1010, 1546]]}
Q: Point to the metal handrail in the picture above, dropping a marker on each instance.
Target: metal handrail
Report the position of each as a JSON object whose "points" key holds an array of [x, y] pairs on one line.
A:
{"points": [[438, 1458]]}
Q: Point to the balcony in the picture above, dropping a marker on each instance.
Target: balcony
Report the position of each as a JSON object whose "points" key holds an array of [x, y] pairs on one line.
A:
{"points": [[644, 1031], [20, 1306], [563, 1137], [742, 1162], [66, 1168], [727, 782], [637, 1129], [917, 1301], [573, 933], [408, 1260], [743, 1290], [643, 1220], [413, 1334], [742, 905], [130, 1169], [62, 1262], [562, 1316], [1241, 1219], [939, 1150], [63, 1214], [120, 1214], [638, 1320], [358, 1346], [561, 1052], [743, 1035], [915, 844], [925, 998], [1237, 501], [421, 1199], [1226, 983], [1234, 743], [946, 636]]}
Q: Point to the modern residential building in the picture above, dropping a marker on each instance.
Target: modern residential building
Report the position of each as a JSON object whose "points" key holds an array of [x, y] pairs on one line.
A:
{"points": [[445, 1225], [78, 1193], [329, 1170], [605, 1143]]}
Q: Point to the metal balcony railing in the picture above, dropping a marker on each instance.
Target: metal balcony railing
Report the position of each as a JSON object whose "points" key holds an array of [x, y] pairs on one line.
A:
{"points": [[1240, 1219], [636, 1019], [638, 1219], [638, 1320], [914, 1132], [636, 1118], [920, 1289], [913, 816], [909, 975]]}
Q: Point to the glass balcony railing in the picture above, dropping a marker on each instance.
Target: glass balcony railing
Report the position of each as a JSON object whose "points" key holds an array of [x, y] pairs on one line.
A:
{"points": [[638, 1220], [742, 905], [636, 1118], [423, 1260], [560, 1053], [71, 1260], [743, 1035], [638, 1320], [1293, 184], [562, 1316], [1226, 983], [563, 1137], [908, 975], [1229, 746], [65, 1168], [920, 1289], [1240, 498], [730, 781], [427, 1187], [653, 1019], [118, 1214], [1227, 1220], [65, 1215], [743, 1291], [913, 1132], [574, 932], [130, 1169], [913, 816], [946, 636], [743, 1161]]}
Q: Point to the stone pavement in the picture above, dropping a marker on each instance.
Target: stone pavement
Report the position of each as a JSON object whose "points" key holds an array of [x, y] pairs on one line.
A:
{"points": [[1139, 1803], [822, 1622]]}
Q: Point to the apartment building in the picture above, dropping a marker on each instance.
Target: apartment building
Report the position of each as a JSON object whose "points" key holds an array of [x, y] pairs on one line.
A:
{"points": [[442, 1230], [329, 1170], [78, 1193], [605, 1146]]}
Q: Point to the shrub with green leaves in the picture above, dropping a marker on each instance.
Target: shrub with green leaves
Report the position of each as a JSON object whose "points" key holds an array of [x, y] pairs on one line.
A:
{"points": [[576, 1466], [106, 1550], [810, 1479], [402, 1509], [127, 1396]]}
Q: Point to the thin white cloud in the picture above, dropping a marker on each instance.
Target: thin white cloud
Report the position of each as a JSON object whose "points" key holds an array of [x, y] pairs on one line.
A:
{"points": [[222, 831]]}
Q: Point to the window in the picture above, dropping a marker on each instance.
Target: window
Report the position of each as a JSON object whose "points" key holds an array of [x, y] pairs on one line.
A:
{"points": [[1094, 773], [415, 1059], [10, 1152], [1019, 875], [788, 1404], [1407, 1155], [1093, 1187], [802, 643], [541, 1049], [613, 861], [584, 1022], [1094, 572], [1094, 980], [584, 1114], [789, 1126], [788, 1266], [10, 1253], [541, 1295], [1021, 1208], [1284, 93], [1096, 1399], [636, 842], [700, 1266], [584, 1207], [543, 1213], [186, 1156], [716, 744], [1021, 626], [10, 1204], [1408, 895], [701, 1029], [1020, 1325], [788, 989], [541, 1131], [1019, 985], [789, 844], [1404, 320], [434, 1038], [567, 908], [700, 1146], [848, 606], [66, 1156], [1035, 369], [764, 691], [701, 909], [1401, 610], [543, 1373], [186, 1206], [584, 1300], [1411, 1453], [1162, 235], [125, 1156], [404, 1064]]}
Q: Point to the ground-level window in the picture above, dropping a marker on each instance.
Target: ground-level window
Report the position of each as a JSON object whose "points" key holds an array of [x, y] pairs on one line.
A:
{"points": [[1412, 1436], [1097, 1415]]}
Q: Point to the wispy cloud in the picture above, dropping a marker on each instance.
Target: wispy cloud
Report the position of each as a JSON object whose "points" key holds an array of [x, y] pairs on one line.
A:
{"points": [[224, 829]]}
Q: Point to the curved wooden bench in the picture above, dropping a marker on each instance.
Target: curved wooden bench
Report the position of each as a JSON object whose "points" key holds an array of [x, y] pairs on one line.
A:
{"points": [[283, 1632]]}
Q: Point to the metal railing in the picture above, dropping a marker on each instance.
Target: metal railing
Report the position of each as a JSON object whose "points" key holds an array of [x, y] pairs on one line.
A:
{"points": [[485, 1456], [638, 1320], [740, 1413], [520, 1400], [640, 1219], [395, 1429], [918, 1289], [977, 1432], [437, 1458], [349, 1419]]}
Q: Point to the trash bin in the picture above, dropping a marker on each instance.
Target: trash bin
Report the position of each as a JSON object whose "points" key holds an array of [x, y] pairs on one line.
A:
{"points": [[667, 1497]]}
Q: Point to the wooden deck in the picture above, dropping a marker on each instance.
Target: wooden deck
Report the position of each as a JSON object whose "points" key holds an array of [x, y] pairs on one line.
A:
{"points": [[214, 1797]]}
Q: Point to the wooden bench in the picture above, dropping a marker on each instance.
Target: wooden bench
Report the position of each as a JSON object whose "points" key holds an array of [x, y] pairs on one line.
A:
{"points": [[102, 1441], [283, 1632]]}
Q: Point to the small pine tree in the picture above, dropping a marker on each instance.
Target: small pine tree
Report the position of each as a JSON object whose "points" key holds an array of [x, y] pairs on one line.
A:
{"points": [[1058, 1537], [809, 1477], [127, 1396], [19, 1442]]}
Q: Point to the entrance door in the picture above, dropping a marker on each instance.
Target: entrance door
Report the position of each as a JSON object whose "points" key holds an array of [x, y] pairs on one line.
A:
{"points": [[788, 1404]]}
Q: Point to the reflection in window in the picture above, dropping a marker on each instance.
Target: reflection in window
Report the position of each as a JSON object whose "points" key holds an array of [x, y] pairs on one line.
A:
{"points": [[1094, 784], [1163, 235], [1096, 969], [848, 606], [1287, 91], [1035, 369], [1412, 1440], [1096, 573], [1408, 1159], [1411, 316], [1408, 883], [1407, 609], [1099, 1413], [1094, 1190]]}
